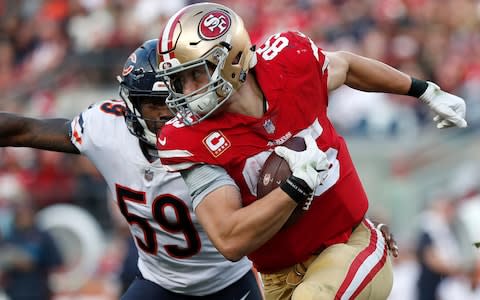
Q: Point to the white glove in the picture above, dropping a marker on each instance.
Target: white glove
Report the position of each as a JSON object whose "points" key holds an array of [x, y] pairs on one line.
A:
{"points": [[311, 165], [449, 109]]}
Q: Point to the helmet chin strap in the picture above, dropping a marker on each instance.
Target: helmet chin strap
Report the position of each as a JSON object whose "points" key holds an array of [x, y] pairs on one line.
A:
{"points": [[149, 151], [152, 151], [148, 135]]}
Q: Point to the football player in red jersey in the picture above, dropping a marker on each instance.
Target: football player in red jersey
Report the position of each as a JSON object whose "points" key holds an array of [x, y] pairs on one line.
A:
{"points": [[176, 261], [245, 102]]}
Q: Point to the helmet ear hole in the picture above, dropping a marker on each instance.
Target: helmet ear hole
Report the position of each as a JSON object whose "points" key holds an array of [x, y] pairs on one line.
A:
{"points": [[236, 61]]}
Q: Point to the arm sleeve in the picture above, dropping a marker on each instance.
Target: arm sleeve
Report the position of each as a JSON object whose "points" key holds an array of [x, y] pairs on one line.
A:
{"points": [[204, 179], [78, 134], [317, 52]]}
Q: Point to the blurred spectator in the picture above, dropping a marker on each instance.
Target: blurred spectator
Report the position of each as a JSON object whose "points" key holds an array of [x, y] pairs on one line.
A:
{"points": [[129, 268], [437, 249], [91, 191], [27, 257], [467, 228], [370, 115], [40, 38], [7, 59], [405, 273]]}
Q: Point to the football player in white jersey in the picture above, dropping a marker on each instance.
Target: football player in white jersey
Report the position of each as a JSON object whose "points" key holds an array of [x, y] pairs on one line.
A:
{"points": [[176, 258]]}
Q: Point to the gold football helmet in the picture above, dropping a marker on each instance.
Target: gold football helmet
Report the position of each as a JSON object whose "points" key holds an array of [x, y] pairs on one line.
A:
{"points": [[209, 35]]}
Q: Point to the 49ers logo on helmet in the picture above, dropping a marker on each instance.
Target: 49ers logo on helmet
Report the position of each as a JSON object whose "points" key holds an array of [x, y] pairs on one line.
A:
{"points": [[214, 24]]}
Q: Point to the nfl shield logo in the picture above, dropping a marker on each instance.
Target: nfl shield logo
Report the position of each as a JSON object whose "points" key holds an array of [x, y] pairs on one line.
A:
{"points": [[269, 127], [148, 175]]}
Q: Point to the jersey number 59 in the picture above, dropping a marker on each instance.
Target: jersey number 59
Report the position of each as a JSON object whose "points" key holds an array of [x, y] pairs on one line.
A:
{"points": [[182, 225]]}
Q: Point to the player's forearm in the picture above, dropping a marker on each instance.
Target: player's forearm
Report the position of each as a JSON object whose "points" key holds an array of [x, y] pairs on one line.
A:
{"points": [[12, 129], [258, 222], [48, 134], [374, 76], [249, 227]]}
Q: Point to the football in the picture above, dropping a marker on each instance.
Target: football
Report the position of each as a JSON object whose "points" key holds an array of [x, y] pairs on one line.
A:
{"points": [[275, 170]]}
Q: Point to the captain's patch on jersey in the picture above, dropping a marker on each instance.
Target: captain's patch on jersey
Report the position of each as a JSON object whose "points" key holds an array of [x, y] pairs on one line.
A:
{"points": [[216, 143]]}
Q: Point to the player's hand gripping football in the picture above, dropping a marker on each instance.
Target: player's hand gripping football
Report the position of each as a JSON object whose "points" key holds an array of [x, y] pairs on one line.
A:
{"points": [[310, 165], [449, 109]]}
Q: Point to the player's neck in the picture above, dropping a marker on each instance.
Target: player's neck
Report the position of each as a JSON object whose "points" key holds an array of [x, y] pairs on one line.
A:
{"points": [[249, 99], [150, 153]]}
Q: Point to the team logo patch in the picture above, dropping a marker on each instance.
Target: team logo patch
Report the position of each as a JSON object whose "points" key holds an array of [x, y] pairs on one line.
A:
{"points": [[216, 143], [269, 126], [148, 175], [267, 179], [214, 24], [127, 70]]}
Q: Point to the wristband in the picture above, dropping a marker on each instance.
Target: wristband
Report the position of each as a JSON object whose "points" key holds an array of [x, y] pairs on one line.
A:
{"points": [[296, 188], [417, 88]]}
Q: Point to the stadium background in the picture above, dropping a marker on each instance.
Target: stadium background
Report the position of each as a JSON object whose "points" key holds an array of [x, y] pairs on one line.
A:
{"points": [[59, 56]]}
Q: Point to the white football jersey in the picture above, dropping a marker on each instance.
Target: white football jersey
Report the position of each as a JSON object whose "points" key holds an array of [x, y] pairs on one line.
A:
{"points": [[174, 250]]}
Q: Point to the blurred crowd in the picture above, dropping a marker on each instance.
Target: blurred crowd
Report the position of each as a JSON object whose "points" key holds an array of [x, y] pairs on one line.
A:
{"points": [[49, 46], [440, 262]]}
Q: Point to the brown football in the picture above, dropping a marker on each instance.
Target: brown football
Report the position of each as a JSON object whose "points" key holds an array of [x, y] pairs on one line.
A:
{"points": [[275, 170]]}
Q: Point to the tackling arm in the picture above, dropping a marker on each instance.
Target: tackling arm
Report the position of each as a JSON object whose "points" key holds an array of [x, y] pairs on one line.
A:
{"points": [[48, 134]]}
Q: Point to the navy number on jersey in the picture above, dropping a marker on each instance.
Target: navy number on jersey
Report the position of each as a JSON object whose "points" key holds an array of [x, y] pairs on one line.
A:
{"points": [[113, 108], [183, 223]]}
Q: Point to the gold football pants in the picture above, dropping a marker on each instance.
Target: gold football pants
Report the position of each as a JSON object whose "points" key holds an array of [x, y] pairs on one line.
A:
{"points": [[360, 269]]}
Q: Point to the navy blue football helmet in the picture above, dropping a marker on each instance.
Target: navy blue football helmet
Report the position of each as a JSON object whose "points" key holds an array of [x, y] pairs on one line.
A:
{"points": [[137, 82]]}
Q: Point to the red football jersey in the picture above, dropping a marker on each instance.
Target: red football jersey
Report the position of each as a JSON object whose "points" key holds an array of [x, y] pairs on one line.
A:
{"points": [[292, 73]]}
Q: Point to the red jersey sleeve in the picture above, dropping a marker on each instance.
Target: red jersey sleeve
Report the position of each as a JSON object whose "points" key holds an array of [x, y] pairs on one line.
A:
{"points": [[292, 59]]}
